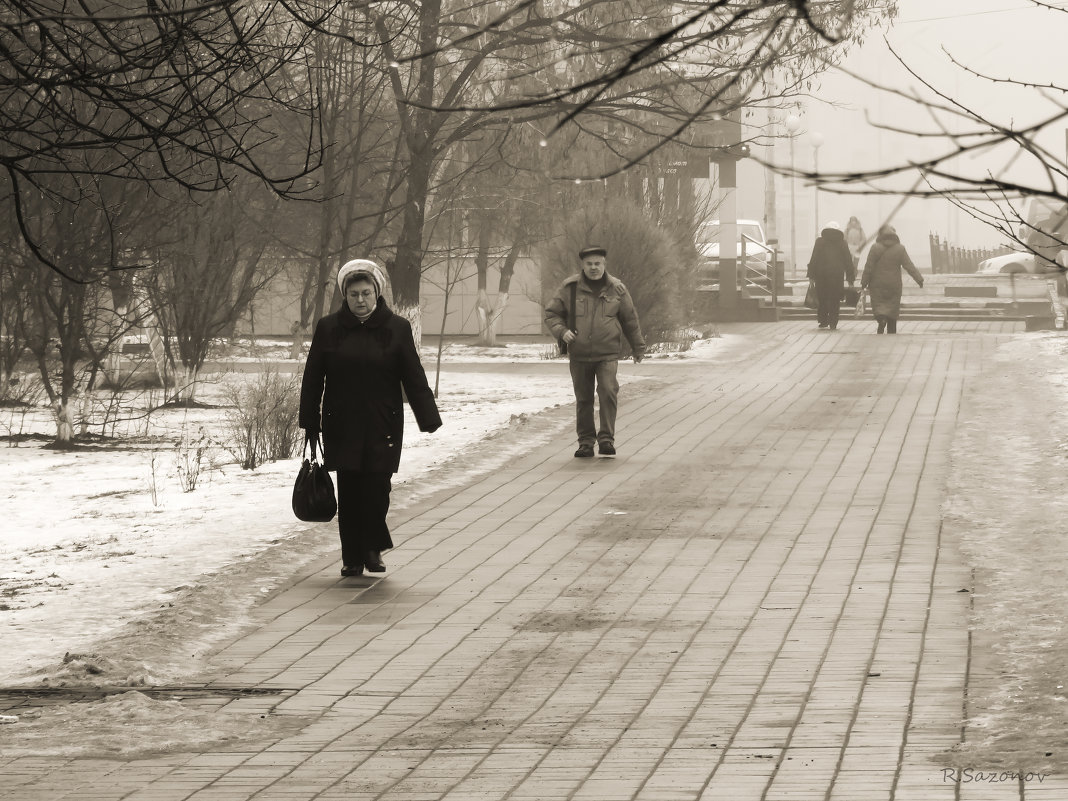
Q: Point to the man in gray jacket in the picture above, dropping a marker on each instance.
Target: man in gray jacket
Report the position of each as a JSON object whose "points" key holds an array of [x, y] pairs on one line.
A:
{"points": [[603, 316]]}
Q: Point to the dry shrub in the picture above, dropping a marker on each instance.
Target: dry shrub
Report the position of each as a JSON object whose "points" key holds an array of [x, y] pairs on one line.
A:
{"points": [[263, 421]]}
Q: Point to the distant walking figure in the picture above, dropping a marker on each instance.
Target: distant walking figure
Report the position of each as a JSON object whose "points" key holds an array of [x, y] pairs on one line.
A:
{"points": [[603, 315], [882, 278], [829, 268], [361, 357], [854, 237]]}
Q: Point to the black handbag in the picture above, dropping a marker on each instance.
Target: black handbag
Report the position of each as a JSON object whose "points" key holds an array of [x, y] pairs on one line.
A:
{"points": [[850, 296], [812, 299], [313, 491]]}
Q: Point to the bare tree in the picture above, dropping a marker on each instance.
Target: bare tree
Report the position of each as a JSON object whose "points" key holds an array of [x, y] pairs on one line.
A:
{"points": [[177, 94], [652, 73], [195, 95], [210, 266], [71, 327], [985, 162], [601, 69], [360, 169], [15, 287]]}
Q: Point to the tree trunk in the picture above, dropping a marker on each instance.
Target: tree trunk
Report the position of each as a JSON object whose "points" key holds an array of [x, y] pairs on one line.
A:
{"points": [[185, 388], [421, 128], [414, 315], [297, 343], [64, 416], [495, 319], [483, 312], [493, 324], [86, 401], [482, 304], [158, 348], [408, 267]]}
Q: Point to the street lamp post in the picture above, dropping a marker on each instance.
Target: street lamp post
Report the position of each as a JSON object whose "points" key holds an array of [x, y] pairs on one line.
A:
{"points": [[817, 142], [793, 125]]}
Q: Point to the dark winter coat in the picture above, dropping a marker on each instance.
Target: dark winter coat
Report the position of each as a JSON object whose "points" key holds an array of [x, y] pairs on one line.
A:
{"points": [[363, 367], [831, 263], [601, 321], [882, 275]]}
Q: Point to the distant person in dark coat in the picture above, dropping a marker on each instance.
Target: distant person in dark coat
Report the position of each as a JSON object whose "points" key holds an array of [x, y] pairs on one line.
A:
{"points": [[882, 278], [829, 268], [363, 355]]}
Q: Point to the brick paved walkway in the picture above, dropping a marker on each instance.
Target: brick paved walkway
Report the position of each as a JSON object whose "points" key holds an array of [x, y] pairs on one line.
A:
{"points": [[754, 601]]}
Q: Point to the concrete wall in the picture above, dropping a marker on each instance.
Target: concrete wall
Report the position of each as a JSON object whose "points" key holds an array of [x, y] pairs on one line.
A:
{"points": [[523, 315], [278, 305]]}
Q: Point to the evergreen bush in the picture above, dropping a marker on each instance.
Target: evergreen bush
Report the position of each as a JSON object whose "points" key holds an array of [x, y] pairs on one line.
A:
{"points": [[645, 256]]}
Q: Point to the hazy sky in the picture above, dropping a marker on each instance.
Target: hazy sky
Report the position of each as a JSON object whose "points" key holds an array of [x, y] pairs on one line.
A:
{"points": [[1009, 39]]}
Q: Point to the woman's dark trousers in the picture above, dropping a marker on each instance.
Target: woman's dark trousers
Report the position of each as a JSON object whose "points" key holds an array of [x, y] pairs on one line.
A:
{"points": [[829, 300], [890, 323], [362, 504]]}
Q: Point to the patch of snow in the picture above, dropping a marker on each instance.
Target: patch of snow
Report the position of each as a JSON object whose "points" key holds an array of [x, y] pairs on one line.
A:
{"points": [[133, 724], [94, 539]]}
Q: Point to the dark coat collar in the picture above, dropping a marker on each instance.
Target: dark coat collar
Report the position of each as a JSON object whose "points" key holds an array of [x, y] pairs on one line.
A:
{"points": [[612, 283], [379, 317]]}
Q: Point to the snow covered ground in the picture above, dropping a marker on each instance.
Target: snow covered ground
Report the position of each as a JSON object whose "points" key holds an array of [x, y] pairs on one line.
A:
{"points": [[1007, 504]]}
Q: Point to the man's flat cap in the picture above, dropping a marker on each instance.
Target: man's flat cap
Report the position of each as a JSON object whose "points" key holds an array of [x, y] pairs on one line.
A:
{"points": [[593, 250]]}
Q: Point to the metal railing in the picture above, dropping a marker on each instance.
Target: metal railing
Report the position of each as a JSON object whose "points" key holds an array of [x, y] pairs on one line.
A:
{"points": [[757, 279]]}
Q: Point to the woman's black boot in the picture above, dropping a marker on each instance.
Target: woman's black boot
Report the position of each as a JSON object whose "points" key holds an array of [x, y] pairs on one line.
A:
{"points": [[373, 562]]}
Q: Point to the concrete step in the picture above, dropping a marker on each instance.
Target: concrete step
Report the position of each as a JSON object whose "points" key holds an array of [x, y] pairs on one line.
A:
{"points": [[1035, 322], [943, 311], [964, 317], [1030, 305], [706, 309]]}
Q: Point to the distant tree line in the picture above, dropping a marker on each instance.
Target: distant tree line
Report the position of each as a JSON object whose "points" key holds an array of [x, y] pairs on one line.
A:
{"points": [[161, 163]]}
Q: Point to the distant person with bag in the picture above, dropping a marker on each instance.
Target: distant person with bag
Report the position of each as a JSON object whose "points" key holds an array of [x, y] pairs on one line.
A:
{"points": [[882, 278], [591, 314], [361, 357], [829, 268]]}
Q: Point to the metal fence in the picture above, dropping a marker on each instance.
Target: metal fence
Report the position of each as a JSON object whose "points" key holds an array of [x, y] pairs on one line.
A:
{"points": [[946, 258]]}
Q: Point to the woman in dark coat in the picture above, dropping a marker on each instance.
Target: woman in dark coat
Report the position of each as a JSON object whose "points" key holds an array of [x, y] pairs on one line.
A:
{"points": [[829, 268], [363, 354], [882, 278]]}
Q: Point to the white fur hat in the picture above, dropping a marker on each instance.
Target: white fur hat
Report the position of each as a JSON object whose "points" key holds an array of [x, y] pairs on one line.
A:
{"points": [[832, 224], [365, 266]]}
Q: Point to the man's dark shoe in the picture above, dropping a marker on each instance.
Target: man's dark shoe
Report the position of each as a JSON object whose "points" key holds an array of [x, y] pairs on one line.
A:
{"points": [[352, 570], [373, 562], [607, 449], [584, 451]]}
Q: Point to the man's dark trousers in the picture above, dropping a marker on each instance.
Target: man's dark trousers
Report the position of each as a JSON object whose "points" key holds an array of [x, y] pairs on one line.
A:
{"points": [[583, 375]]}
